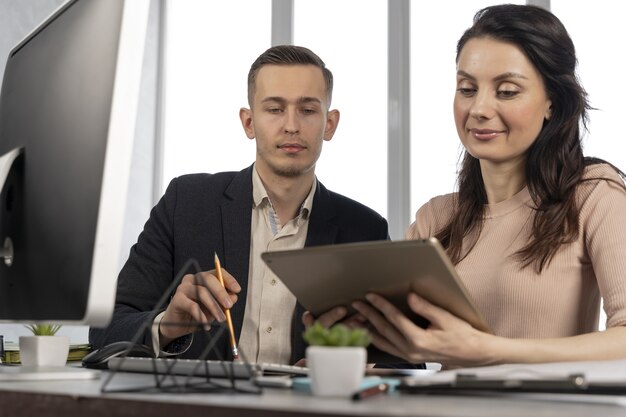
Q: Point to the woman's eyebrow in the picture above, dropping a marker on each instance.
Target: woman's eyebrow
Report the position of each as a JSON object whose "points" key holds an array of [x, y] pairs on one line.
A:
{"points": [[504, 76]]}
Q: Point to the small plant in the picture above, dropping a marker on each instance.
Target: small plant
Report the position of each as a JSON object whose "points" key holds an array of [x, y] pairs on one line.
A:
{"points": [[337, 335], [43, 329]]}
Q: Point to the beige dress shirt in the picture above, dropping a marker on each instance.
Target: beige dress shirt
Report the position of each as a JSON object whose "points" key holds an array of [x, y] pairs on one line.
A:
{"points": [[266, 332]]}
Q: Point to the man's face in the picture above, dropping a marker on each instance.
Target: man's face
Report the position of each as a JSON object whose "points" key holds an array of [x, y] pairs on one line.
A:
{"points": [[289, 119]]}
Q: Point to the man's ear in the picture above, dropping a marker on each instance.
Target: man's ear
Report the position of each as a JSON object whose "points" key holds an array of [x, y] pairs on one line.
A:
{"points": [[332, 120], [245, 115]]}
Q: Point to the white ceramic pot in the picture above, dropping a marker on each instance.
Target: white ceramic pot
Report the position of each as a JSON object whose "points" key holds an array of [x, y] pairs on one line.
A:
{"points": [[44, 350], [335, 371]]}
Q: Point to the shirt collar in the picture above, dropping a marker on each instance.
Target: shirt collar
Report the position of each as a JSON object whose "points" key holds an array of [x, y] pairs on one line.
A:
{"points": [[260, 197]]}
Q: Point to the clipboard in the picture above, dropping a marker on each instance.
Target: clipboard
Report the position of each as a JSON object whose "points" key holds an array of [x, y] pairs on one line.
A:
{"points": [[591, 378], [469, 383], [323, 277]]}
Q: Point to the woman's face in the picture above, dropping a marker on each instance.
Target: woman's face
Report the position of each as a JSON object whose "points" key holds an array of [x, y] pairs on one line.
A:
{"points": [[500, 102]]}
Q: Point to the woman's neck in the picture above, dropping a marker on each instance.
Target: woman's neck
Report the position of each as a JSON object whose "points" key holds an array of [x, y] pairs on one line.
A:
{"points": [[503, 181]]}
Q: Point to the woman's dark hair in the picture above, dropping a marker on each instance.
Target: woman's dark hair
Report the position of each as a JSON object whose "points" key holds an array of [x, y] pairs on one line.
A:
{"points": [[555, 163], [288, 55]]}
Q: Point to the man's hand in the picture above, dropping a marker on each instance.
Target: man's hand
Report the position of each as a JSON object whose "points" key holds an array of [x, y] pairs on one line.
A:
{"points": [[327, 319], [199, 299]]}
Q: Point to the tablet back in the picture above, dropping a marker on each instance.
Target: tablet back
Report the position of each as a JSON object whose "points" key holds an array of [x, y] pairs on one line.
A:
{"points": [[322, 277]]}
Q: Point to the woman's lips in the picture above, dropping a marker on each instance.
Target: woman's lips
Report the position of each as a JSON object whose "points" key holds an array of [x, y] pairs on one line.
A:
{"points": [[485, 134]]}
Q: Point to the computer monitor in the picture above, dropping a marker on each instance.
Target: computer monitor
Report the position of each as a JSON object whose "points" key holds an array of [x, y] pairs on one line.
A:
{"points": [[68, 108]]}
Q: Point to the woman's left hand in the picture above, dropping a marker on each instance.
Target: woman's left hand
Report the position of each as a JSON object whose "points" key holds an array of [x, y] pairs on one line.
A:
{"points": [[448, 339]]}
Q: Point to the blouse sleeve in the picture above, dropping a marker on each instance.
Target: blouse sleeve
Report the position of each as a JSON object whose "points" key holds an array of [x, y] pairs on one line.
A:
{"points": [[431, 217], [603, 223]]}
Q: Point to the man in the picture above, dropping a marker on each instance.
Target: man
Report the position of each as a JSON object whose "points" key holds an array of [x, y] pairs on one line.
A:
{"points": [[275, 204]]}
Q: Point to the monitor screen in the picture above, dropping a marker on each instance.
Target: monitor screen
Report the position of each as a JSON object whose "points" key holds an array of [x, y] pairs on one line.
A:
{"points": [[68, 107]]}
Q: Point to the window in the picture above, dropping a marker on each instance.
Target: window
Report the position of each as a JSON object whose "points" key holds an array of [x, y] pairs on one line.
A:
{"points": [[209, 48], [435, 146], [601, 62], [354, 163]]}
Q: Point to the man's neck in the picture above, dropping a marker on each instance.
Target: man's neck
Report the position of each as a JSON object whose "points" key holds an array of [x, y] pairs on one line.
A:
{"points": [[287, 193]]}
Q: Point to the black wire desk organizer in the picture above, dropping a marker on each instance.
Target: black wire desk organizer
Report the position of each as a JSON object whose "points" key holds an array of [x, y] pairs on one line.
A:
{"points": [[174, 375]]}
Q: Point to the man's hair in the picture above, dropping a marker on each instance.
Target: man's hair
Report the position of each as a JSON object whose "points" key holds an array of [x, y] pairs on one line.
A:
{"points": [[288, 55]]}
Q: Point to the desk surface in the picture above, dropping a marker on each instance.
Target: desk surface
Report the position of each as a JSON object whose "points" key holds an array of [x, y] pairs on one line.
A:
{"points": [[84, 398]]}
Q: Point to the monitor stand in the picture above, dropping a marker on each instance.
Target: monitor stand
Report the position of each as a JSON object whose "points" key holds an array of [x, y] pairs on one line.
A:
{"points": [[45, 373], [6, 163]]}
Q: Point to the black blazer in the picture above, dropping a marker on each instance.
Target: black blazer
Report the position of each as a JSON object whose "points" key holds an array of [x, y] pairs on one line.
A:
{"points": [[203, 214]]}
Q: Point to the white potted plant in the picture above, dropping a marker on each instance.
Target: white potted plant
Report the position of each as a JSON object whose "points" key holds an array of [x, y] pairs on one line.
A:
{"points": [[44, 347], [336, 358]]}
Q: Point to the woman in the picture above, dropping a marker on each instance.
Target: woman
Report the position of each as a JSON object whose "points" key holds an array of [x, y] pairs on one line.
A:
{"points": [[537, 231]]}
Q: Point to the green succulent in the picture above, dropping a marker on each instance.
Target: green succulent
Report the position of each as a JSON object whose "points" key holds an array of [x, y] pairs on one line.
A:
{"points": [[43, 329], [337, 335]]}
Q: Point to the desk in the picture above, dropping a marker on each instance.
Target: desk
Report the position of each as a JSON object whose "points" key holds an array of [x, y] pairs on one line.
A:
{"points": [[83, 398]]}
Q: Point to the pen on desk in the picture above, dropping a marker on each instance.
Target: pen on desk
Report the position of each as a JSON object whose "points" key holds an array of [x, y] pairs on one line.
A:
{"points": [[229, 321], [371, 391]]}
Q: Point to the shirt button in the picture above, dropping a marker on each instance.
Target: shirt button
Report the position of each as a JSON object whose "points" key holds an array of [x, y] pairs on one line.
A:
{"points": [[273, 282], [269, 329]]}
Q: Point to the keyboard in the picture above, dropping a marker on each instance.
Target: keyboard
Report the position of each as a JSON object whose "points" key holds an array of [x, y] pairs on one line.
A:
{"points": [[203, 368]]}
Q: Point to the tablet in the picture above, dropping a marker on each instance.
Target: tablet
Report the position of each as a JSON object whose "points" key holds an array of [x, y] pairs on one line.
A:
{"points": [[323, 277]]}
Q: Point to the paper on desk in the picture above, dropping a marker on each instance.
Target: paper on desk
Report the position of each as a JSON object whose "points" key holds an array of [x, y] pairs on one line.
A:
{"points": [[595, 372], [612, 371]]}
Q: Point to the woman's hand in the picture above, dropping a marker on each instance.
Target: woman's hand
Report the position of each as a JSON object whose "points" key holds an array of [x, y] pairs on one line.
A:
{"points": [[448, 339]]}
